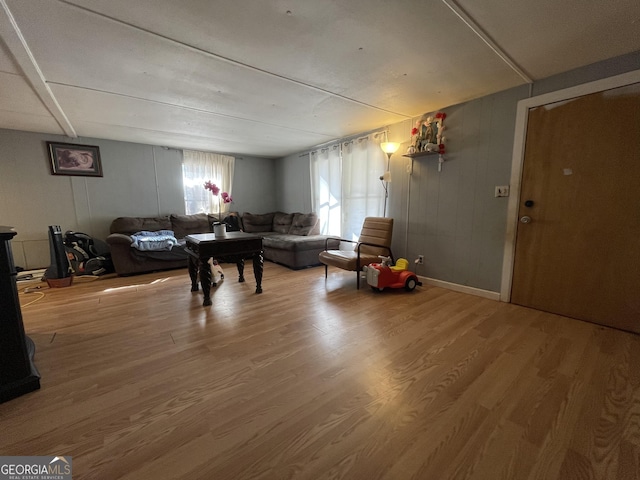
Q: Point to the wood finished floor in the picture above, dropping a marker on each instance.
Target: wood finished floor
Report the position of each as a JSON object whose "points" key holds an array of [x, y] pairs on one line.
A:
{"points": [[315, 380]]}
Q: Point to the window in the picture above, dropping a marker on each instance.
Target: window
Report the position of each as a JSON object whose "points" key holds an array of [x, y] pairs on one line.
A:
{"points": [[345, 185], [326, 188], [198, 168]]}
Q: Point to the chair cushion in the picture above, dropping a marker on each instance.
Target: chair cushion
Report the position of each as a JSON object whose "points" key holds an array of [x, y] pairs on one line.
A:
{"points": [[376, 230], [346, 259]]}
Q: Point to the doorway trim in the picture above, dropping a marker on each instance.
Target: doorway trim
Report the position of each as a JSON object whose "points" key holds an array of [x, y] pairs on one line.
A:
{"points": [[518, 159]]}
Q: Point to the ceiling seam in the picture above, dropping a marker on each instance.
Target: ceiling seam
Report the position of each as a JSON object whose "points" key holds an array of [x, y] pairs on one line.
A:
{"points": [[27, 63], [486, 38], [234, 62], [186, 107], [186, 136], [154, 130]]}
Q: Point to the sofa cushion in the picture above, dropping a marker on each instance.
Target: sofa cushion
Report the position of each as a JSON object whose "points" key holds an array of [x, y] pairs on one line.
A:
{"points": [[131, 225], [294, 243], [183, 225], [304, 224], [257, 223], [282, 222]]}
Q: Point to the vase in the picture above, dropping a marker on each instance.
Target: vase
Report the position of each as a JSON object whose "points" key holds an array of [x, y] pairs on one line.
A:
{"points": [[220, 230]]}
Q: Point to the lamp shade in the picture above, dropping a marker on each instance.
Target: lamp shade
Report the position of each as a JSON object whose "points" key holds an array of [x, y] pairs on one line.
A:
{"points": [[389, 147]]}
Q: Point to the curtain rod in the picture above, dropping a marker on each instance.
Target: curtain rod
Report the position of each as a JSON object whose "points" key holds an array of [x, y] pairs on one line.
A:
{"points": [[350, 138]]}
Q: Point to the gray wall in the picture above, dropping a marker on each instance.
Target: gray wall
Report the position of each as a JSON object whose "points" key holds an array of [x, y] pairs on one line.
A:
{"points": [[139, 180], [294, 180], [455, 221], [254, 185], [452, 217]]}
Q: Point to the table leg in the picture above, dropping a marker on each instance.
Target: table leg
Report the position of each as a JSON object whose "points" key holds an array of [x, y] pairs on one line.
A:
{"points": [[240, 265], [193, 273], [205, 281], [258, 266]]}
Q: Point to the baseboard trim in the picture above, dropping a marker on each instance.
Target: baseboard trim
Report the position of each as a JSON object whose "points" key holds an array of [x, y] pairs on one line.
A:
{"points": [[461, 288]]}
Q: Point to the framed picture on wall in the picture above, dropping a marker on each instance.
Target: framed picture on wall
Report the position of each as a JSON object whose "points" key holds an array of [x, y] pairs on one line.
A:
{"points": [[73, 159]]}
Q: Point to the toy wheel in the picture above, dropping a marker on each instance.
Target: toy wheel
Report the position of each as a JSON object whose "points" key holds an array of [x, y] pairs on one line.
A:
{"points": [[410, 284], [376, 289]]}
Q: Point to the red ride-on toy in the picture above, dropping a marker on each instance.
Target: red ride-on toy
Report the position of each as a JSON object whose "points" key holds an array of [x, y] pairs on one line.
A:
{"points": [[382, 275]]}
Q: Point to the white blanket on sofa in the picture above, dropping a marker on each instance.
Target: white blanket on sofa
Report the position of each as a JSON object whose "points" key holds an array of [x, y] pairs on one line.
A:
{"points": [[154, 241]]}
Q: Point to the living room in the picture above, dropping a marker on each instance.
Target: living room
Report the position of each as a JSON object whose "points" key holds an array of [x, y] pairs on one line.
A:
{"points": [[447, 212], [456, 221]]}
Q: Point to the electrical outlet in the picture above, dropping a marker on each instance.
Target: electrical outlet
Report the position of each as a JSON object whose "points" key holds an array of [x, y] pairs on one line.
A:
{"points": [[420, 259], [502, 191]]}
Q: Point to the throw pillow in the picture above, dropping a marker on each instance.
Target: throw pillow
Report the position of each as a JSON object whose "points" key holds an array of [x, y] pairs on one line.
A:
{"points": [[282, 222], [304, 224], [184, 225], [131, 225], [257, 223]]}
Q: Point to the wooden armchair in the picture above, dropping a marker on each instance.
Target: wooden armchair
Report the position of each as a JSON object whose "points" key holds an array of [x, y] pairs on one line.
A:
{"points": [[374, 240]]}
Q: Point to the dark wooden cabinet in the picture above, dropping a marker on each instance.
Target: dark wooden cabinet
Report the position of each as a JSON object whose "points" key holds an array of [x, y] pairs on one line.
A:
{"points": [[18, 374]]}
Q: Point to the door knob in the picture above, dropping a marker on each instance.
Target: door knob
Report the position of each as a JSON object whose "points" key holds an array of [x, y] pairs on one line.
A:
{"points": [[525, 219]]}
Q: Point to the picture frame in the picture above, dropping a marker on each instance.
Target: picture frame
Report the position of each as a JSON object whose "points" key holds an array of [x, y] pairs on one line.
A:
{"points": [[74, 159]]}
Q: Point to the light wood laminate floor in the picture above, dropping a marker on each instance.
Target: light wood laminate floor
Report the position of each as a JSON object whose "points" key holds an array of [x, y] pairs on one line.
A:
{"points": [[316, 380]]}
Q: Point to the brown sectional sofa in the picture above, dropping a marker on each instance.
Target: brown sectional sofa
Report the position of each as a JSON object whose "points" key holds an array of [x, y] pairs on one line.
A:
{"points": [[291, 239]]}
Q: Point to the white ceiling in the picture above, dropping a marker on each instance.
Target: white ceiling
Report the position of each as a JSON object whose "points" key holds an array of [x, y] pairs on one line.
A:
{"points": [[271, 78]]}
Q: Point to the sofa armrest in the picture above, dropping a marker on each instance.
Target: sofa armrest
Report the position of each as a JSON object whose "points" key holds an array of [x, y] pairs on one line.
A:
{"points": [[119, 239]]}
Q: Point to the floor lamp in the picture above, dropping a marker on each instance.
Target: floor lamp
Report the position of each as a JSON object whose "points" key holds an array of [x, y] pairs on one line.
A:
{"points": [[389, 148]]}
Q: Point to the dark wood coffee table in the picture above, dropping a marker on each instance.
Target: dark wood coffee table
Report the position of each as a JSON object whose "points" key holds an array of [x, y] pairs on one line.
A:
{"points": [[235, 247]]}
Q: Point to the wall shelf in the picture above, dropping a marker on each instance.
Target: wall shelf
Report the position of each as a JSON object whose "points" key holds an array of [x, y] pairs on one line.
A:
{"points": [[425, 154], [420, 154]]}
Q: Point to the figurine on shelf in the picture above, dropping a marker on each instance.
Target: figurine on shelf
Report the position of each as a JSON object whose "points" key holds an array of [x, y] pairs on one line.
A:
{"points": [[428, 133], [417, 131], [440, 138], [440, 116]]}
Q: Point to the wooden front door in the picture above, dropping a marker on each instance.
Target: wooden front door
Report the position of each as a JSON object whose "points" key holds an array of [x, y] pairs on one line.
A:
{"points": [[579, 255]]}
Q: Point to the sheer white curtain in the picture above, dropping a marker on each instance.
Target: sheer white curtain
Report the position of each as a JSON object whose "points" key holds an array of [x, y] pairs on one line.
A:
{"points": [[362, 194], [326, 188], [200, 167], [345, 185]]}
